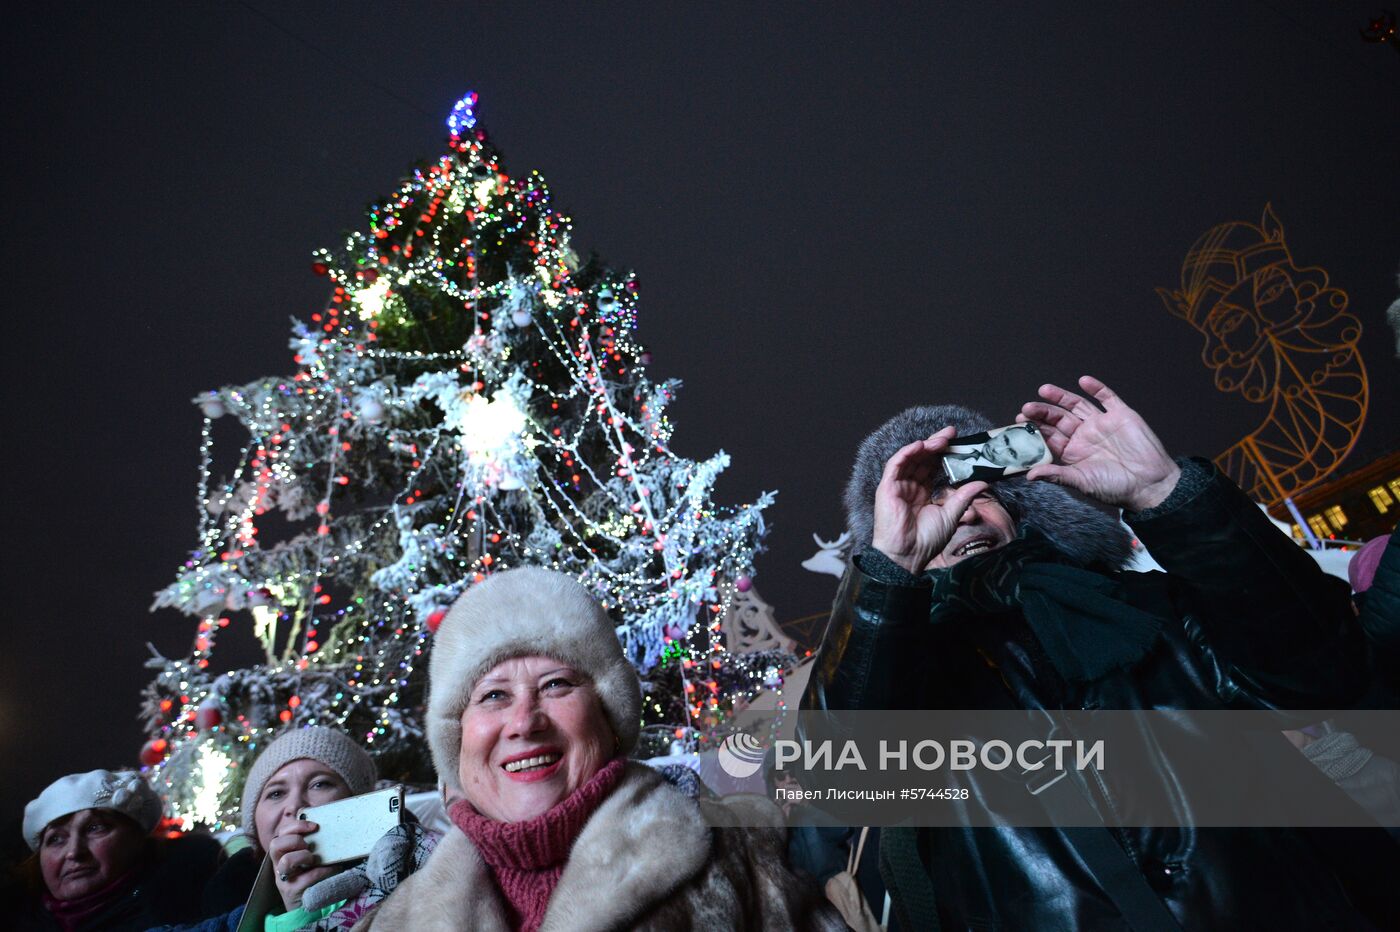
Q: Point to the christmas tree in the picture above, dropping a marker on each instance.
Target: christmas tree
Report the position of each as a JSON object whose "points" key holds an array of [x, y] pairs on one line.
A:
{"points": [[471, 398]]}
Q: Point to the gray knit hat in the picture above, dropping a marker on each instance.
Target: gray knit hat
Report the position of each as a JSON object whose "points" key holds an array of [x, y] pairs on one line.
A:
{"points": [[124, 792], [524, 612], [1078, 530], [333, 748]]}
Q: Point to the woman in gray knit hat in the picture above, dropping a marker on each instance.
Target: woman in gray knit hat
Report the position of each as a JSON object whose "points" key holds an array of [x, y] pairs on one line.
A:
{"points": [[306, 767], [303, 767], [532, 710]]}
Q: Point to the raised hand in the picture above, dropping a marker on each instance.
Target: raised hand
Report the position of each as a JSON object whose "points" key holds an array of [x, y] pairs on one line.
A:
{"points": [[1110, 455], [401, 851], [294, 864], [911, 525]]}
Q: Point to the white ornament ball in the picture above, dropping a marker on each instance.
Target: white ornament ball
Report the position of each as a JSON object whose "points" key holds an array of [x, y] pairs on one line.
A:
{"points": [[371, 410], [520, 316], [213, 407]]}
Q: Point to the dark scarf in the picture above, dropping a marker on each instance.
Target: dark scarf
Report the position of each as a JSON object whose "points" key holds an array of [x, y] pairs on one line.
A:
{"points": [[72, 914], [1077, 615]]}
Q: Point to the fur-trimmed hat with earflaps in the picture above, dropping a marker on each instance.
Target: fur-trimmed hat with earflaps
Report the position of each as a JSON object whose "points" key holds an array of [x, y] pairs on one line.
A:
{"points": [[1079, 531], [524, 612]]}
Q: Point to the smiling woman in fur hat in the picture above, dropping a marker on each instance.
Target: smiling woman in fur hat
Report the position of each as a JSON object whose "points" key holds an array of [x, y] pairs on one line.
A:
{"points": [[532, 710]]}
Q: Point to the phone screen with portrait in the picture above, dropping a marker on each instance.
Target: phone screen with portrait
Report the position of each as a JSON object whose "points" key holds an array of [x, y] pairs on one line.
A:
{"points": [[995, 454]]}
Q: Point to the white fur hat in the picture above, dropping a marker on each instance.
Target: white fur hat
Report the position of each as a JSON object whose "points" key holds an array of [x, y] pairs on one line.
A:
{"points": [[335, 749], [125, 792], [524, 612]]}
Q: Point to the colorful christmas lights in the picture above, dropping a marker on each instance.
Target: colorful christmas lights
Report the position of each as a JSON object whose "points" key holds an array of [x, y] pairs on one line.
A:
{"points": [[471, 398]]}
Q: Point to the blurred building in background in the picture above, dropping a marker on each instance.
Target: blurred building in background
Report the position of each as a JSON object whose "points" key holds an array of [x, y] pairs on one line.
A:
{"points": [[1353, 506]]}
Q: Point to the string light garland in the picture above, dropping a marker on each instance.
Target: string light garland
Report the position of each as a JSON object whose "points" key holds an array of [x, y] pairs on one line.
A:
{"points": [[471, 397]]}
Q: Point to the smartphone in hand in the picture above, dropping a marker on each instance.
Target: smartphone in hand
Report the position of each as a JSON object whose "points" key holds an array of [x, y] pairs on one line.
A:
{"points": [[995, 454], [348, 828]]}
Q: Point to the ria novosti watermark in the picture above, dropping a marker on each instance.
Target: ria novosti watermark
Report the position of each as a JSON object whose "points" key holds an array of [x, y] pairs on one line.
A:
{"points": [[1041, 767], [960, 754]]}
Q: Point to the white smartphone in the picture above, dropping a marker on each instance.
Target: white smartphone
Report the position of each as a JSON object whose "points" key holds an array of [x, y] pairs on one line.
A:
{"points": [[348, 828]]}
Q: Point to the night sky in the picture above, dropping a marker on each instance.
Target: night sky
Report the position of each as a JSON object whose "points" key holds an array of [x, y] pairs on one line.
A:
{"points": [[834, 213]]}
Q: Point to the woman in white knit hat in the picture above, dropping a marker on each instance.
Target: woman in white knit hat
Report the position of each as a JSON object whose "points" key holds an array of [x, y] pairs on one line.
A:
{"points": [[532, 711], [306, 767], [95, 863]]}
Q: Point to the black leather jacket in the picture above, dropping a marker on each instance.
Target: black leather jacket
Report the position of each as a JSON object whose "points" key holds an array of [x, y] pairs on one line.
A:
{"points": [[1253, 623]]}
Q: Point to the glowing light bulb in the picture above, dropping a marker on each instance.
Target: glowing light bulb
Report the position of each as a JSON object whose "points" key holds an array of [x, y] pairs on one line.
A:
{"points": [[488, 427], [214, 767], [370, 301]]}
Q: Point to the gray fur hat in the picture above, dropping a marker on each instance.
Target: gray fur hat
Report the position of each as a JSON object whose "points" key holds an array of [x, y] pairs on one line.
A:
{"points": [[335, 749], [524, 612], [1079, 531]]}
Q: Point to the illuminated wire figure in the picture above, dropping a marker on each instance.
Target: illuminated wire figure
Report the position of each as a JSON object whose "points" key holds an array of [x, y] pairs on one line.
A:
{"points": [[1280, 335]]}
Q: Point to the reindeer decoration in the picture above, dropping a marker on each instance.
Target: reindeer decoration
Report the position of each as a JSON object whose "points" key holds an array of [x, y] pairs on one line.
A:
{"points": [[832, 558]]}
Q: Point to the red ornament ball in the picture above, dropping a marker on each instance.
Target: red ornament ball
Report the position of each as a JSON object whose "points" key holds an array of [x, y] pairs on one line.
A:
{"points": [[743, 584], [370, 276], [435, 620], [153, 751], [210, 715], [320, 268]]}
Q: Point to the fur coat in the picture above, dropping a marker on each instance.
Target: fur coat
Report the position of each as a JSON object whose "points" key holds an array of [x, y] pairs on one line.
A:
{"points": [[647, 859]]}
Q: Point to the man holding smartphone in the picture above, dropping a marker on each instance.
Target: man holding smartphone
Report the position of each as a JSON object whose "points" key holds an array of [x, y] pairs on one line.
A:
{"points": [[1009, 595]]}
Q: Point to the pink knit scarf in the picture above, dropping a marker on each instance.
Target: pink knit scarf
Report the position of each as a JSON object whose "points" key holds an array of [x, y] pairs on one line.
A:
{"points": [[527, 858]]}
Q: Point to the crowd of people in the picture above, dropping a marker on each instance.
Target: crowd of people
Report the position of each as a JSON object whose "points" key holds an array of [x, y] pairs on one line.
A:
{"points": [[532, 714], [1008, 594]]}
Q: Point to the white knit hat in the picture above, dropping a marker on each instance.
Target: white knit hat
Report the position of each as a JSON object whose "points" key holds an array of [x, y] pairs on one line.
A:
{"points": [[125, 792], [525, 612], [333, 748]]}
